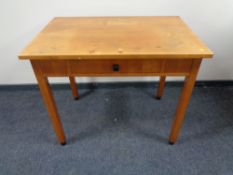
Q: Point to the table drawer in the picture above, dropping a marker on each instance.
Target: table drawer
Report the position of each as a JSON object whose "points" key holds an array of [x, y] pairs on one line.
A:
{"points": [[129, 67], [115, 67]]}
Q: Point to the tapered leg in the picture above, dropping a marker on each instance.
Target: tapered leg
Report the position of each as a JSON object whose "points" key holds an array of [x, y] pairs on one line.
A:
{"points": [[74, 87], [183, 101], [160, 90], [49, 103]]}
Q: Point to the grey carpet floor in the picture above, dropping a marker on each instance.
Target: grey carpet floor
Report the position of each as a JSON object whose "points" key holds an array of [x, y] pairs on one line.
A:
{"points": [[119, 131]]}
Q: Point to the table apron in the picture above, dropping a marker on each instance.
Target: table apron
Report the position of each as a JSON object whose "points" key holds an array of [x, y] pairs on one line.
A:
{"points": [[114, 67]]}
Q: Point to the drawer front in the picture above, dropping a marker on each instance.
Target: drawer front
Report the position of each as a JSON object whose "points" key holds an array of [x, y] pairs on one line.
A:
{"points": [[129, 67], [115, 67]]}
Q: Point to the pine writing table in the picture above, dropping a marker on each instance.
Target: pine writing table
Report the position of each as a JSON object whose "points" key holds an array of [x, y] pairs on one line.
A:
{"points": [[116, 46]]}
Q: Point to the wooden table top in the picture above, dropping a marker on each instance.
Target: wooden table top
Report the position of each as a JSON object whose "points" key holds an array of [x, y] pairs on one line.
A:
{"points": [[116, 37]]}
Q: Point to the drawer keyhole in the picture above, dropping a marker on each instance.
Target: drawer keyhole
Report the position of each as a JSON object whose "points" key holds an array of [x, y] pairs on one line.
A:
{"points": [[115, 67]]}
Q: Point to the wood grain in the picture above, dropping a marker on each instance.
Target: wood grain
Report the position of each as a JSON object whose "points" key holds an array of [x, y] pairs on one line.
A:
{"points": [[116, 37]]}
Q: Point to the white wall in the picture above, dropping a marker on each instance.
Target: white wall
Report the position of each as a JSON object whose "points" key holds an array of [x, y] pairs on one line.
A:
{"points": [[20, 20]]}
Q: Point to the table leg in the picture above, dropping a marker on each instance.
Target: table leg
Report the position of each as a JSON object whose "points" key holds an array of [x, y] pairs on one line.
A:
{"points": [[74, 87], [160, 90], [50, 104], [183, 101]]}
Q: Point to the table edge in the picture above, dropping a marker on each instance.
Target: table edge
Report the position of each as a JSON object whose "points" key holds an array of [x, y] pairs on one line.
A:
{"points": [[122, 56]]}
